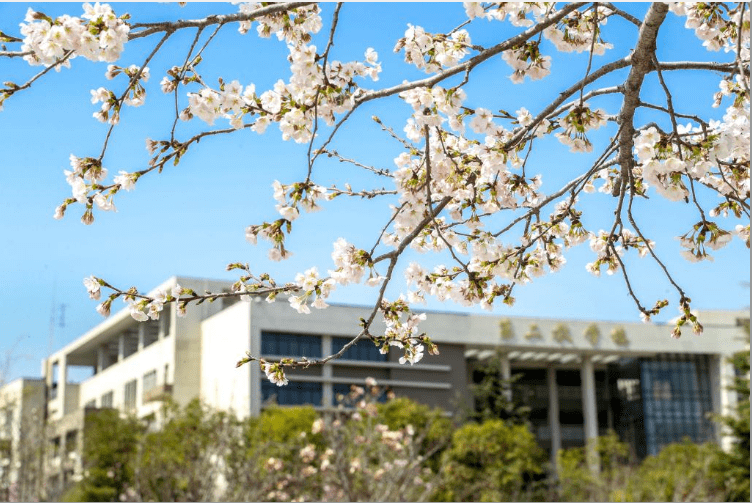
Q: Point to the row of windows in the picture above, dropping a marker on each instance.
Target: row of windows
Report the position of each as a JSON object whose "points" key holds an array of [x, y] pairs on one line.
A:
{"points": [[304, 393], [282, 344], [149, 382]]}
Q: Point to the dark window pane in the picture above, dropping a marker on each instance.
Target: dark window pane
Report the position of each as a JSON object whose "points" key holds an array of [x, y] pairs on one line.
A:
{"points": [[295, 393], [363, 350], [274, 343]]}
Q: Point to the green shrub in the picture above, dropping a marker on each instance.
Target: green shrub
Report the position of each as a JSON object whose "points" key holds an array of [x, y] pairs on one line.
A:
{"points": [[577, 482], [680, 472], [490, 462]]}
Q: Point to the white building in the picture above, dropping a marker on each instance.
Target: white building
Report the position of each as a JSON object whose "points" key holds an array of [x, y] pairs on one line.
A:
{"points": [[580, 378], [21, 434]]}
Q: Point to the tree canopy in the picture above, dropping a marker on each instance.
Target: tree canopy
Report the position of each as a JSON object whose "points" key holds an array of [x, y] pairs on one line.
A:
{"points": [[467, 183]]}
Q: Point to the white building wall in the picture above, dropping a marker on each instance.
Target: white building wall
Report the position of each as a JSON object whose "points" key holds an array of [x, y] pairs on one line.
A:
{"points": [[113, 378], [225, 338]]}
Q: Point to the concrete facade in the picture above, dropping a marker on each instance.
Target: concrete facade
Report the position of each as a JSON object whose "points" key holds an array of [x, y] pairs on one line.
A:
{"points": [[22, 420], [580, 378]]}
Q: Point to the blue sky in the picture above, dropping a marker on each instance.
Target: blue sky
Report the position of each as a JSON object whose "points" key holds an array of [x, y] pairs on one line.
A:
{"points": [[190, 219]]}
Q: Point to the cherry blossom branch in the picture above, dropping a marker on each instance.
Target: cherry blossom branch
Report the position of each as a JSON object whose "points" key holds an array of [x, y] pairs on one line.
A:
{"points": [[179, 77], [324, 57], [11, 88], [701, 65], [151, 28], [474, 61], [14, 54], [133, 81], [740, 64], [695, 118], [629, 17], [337, 155]]}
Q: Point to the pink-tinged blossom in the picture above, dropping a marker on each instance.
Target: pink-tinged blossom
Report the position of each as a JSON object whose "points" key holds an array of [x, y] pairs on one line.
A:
{"points": [[92, 286]]}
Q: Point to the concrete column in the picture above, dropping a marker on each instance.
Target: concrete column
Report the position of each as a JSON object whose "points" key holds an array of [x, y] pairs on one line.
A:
{"points": [[589, 411], [62, 383], [256, 374], [715, 393], [100, 358], [121, 347], [609, 412], [506, 374], [726, 396], [327, 373], [553, 414]]}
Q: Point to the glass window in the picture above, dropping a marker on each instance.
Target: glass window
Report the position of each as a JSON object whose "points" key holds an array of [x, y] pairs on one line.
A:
{"points": [[107, 399], [151, 331], [295, 393], [150, 381], [70, 441], [363, 350], [8, 426], [274, 343], [129, 395], [676, 400]]}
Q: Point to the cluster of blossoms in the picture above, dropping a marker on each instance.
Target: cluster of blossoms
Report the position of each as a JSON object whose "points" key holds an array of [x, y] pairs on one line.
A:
{"points": [[273, 232], [99, 36], [311, 285], [733, 87], [711, 26], [518, 13], [274, 373], [289, 197], [144, 309], [608, 248], [329, 91], [527, 60], [577, 31], [87, 175], [432, 52], [351, 264], [294, 26], [576, 123], [686, 316], [134, 96], [703, 235], [428, 104], [402, 331], [313, 91], [717, 156]]}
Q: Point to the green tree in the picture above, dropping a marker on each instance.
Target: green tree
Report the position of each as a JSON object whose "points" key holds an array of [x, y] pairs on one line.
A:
{"points": [[491, 461], [735, 463], [577, 482], [179, 461], [679, 472], [110, 448], [491, 395]]}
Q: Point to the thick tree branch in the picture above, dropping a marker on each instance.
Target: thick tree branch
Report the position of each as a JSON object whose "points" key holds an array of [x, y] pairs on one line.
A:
{"points": [[642, 63]]}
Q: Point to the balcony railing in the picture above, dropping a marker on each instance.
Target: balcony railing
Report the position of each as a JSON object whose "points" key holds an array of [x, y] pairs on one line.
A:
{"points": [[158, 393]]}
